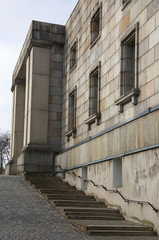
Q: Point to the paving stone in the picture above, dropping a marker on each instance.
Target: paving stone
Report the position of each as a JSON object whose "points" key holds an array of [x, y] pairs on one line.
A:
{"points": [[24, 214]]}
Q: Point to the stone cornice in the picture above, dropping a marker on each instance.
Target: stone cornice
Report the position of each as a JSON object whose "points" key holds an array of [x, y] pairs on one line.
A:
{"points": [[42, 35]]}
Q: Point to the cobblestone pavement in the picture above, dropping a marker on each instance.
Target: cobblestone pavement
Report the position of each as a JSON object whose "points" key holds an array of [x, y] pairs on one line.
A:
{"points": [[25, 215]]}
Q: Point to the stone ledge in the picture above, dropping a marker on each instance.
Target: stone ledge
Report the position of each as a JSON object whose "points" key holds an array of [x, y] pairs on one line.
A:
{"points": [[130, 96], [93, 118]]}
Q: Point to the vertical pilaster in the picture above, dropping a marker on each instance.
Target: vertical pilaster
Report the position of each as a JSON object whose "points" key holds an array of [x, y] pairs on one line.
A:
{"points": [[36, 100], [12, 127], [17, 119], [27, 97]]}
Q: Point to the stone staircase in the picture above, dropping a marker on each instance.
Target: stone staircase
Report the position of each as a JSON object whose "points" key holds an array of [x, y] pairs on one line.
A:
{"points": [[85, 212]]}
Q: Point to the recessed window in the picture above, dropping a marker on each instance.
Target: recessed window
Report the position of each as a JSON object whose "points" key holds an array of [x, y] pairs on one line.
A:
{"points": [[94, 95], [128, 64], [96, 25], [117, 173], [84, 178], [129, 69], [93, 92], [71, 111], [73, 56], [72, 114]]}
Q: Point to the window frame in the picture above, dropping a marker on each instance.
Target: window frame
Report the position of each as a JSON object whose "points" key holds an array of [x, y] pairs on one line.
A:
{"points": [[133, 94], [72, 130], [124, 4], [98, 10], [73, 52], [95, 117]]}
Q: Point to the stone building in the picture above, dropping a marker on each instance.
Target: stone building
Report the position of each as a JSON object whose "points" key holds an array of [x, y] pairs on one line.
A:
{"points": [[86, 103]]}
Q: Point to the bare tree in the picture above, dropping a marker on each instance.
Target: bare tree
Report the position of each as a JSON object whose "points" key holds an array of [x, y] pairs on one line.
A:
{"points": [[4, 149]]}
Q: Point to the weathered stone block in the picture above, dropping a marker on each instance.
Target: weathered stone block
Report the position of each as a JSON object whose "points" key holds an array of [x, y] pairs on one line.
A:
{"points": [[55, 91], [152, 71], [144, 46], [147, 28], [152, 8], [39, 126], [124, 23], [154, 38], [147, 59], [39, 94], [56, 73], [41, 58]]}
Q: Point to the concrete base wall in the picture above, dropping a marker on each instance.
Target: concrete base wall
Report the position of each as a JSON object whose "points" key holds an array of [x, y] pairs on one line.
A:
{"points": [[35, 159], [11, 167], [140, 178]]}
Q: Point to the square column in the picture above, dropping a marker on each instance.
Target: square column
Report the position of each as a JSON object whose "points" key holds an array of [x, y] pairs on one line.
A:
{"points": [[36, 155], [17, 124], [36, 97]]}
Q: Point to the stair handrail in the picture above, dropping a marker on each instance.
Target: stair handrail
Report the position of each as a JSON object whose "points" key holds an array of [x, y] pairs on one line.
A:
{"points": [[78, 176], [59, 166], [122, 196], [111, 190]]}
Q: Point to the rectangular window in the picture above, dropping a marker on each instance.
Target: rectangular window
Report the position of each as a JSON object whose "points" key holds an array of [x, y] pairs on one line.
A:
{"points": [[71, 120], [128, 64], [129, 69], [93, 92], [94, 96], [73, 56], [96, 25], [72, 114]]}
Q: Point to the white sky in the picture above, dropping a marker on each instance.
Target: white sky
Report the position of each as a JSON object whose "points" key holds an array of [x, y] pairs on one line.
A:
{"points": [[15, 20]]}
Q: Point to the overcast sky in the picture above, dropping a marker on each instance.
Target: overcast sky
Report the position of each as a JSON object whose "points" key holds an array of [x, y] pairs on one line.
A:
{"points": [[15, 20]]}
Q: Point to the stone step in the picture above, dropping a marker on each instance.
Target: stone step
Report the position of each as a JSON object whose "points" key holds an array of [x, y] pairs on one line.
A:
{"points": [[57, 185], [119, 227], [84, 217], [61, 191], [67, 197], [49, 183], [46, 181], [120, 233], [84, 212], [95, 213], [51, 186], [91, 210], [43, 178], [51, 180], [78, 204]]}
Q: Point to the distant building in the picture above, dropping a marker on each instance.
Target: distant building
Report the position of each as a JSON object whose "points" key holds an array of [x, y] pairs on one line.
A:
{"points": [[86, 100]]}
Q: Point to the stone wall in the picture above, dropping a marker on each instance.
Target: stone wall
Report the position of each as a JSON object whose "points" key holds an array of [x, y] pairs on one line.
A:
{"points": [[117, 145], [55, 97], [116, 24], [123, 144]]}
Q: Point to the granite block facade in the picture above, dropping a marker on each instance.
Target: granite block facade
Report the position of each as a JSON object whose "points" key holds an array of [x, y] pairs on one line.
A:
{"points": [[114, 120]]}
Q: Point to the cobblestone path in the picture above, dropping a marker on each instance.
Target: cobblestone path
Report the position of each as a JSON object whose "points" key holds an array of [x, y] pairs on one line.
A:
{"points": [[25, 215]]}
